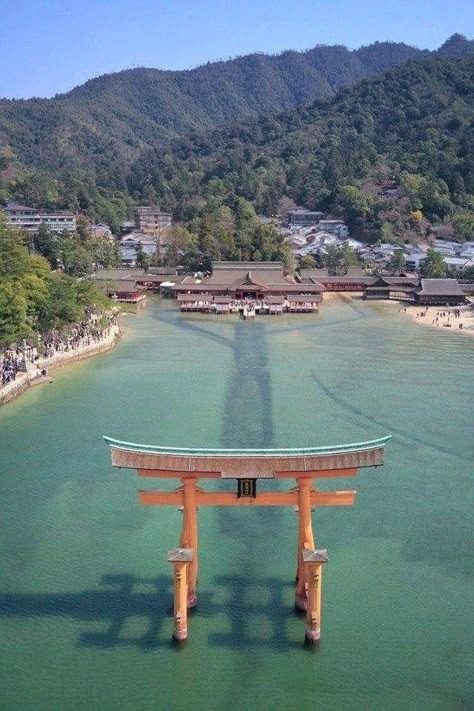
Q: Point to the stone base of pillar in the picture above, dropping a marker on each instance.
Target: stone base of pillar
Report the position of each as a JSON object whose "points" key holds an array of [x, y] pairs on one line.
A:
{"points": [[192, 600], [180, 635], [301, 602], [312, 636]]}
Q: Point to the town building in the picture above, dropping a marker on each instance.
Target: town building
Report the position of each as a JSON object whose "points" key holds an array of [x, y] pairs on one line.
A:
{"points": [[29, 219], [151, 221], [334, 227], [101, 230], [300, 217], [457, 264], [129, 244]]}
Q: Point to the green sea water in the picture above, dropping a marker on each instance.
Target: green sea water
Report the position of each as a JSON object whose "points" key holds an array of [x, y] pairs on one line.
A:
{"points": [[85, 589]]}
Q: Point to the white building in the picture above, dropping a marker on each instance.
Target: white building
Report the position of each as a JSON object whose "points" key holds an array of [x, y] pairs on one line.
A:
{"points": [[29, 219], [129, 243], [457, 263], [335, 227]]}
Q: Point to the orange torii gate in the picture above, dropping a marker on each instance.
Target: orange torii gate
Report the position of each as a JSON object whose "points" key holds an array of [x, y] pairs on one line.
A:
{"points": [[246, 466]]}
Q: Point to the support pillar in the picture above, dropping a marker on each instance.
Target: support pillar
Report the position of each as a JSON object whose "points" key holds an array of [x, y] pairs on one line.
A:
{"points": [[181, 558], [305, 540], [189, 535], [313, 561]]}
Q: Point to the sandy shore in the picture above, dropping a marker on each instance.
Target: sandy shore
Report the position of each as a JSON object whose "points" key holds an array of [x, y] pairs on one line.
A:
{"points": [[441, 317]]}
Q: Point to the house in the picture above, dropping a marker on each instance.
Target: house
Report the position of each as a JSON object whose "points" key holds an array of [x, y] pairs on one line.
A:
{"points": [[334, 227], [101, 231], [414, 260], [439, 292], [128, 246], [300, 217], [457, 264]]}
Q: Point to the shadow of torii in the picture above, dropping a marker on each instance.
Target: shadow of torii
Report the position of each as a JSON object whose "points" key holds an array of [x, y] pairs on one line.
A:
{"points": [[115, 604], [119, 601], [243, 633]]}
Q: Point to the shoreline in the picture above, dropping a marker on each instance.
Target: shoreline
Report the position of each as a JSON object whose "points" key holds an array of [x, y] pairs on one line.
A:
{"points": [[431, 313], [27, 380]]}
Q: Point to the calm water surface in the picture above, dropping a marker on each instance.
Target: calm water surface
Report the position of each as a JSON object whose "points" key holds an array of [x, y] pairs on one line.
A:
{"points": [[85, 586]]}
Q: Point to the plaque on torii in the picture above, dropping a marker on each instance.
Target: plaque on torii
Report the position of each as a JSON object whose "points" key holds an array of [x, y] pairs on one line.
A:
{"points": [[247, 466]]}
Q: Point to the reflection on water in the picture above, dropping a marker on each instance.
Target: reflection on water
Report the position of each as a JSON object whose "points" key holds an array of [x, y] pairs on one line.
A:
{"points": [[86, 591]]}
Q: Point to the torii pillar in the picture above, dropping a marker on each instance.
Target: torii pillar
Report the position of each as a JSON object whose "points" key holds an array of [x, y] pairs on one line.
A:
{"points": [[313, 561], [181, 558], [188, 537]]}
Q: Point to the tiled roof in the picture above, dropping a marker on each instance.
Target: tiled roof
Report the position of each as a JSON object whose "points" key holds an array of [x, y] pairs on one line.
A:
{"points": [[440, 287]]}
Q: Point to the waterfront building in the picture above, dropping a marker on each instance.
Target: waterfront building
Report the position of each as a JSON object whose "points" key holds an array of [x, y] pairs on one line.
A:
{"points": [[237, 283], [356, 279], [29, 219], [391, 287], [439, 292], [125, 291]]}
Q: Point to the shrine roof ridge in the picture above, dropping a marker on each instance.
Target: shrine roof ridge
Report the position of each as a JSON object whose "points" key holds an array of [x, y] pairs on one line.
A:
{"points": [[285, 452]]}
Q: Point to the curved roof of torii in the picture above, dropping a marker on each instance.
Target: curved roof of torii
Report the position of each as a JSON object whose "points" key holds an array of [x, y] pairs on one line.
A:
{"points": [[236, 463]]}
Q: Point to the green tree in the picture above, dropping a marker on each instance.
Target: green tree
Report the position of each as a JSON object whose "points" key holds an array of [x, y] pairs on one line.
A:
{"points": [[397, 262], [14, 323], [307, 262], [142, 260], [46, 245], [433, 266]]}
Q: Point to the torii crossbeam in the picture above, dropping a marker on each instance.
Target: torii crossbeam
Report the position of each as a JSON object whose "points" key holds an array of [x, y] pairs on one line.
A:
{"points": [[246, 466]]}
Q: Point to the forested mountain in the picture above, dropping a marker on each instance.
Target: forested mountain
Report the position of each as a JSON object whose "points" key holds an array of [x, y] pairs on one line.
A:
{"points": [[101, 126], [413, 127], [107, 143]]}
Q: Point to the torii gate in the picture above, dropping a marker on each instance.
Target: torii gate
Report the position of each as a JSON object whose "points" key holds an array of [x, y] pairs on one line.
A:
{"points": [[247, 466]]}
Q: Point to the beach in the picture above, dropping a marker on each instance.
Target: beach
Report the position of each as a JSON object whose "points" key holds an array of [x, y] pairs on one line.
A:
{"points": [[441, 317]]}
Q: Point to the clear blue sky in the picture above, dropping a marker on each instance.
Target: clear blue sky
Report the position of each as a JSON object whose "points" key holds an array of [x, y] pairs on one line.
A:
{"points": [[50, 46]]}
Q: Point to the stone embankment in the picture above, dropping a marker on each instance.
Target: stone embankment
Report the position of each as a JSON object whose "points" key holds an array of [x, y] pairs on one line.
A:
{"points": [[34, 377]]}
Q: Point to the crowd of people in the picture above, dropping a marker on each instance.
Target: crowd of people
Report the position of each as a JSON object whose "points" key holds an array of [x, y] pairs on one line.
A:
{"points": [[443, 318], [92, 329]]}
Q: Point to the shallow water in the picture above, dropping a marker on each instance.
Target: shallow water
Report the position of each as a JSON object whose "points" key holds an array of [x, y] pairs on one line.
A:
{"points": [[85, 586]]}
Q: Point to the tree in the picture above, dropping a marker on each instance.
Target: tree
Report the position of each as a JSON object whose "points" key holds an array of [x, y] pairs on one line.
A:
{"points": [[104, 251], [332, 259], [45, 244], [288, 259], [433, 266], [397, 262], [386, 232], [14, 323], [142, 260], [307, 262], [463, 224], [75, 259]]}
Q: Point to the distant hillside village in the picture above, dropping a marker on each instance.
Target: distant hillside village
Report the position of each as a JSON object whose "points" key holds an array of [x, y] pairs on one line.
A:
{"points": [[375, 271], [311, 235]]}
